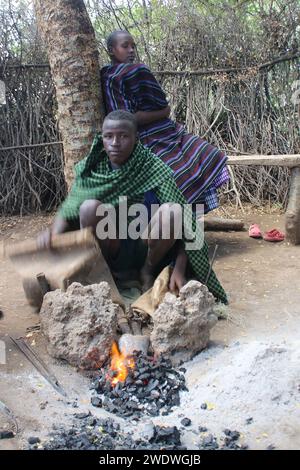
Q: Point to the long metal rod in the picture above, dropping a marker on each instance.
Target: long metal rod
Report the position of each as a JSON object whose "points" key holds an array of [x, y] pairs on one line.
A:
{"points": [[39, 364], [211, 264]]}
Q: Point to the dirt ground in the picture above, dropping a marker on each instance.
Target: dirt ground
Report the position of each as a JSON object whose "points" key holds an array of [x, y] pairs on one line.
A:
{"points": [[249, 377]]}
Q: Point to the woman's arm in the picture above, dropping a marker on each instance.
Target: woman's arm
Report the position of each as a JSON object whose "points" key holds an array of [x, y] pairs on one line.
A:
{"points": [[146, 117]]}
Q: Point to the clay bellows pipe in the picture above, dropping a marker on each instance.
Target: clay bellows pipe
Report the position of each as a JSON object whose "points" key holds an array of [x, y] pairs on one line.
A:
{"points": [[128, 344], [82, 238]]}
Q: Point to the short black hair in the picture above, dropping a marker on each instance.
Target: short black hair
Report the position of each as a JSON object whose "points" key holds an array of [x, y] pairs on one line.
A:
{"points": [[111, 39], [121, 115]]}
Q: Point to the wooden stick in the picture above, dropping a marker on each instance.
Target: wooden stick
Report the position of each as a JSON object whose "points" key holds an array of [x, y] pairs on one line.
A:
{"points": [[80, 238], [44, 144], [217, 223]]}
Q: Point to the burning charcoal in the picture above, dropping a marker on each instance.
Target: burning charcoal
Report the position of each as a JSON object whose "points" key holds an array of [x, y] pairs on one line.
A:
{"points": [[82, 415], [84, 440], [155, 394], [139, 382], [129, 380], [132, 405], [96, 401], [209, 442], [33, 440], [167, 435], [151, 386], [91, 421], [144, 376], [186, 422], [148, 388], [175, 400], [232, 435], [164, 384], [202, 429]]}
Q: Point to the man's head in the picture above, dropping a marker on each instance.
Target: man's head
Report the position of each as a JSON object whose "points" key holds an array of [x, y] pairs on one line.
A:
{"points": [[121, 47], [119, 133]]}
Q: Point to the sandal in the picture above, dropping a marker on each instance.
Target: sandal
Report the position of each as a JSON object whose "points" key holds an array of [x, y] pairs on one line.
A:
{"points": [[274, 235], [254, 231]]}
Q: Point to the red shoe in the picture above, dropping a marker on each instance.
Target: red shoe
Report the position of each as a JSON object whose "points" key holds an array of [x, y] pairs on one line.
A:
{"points": [[274, 235], [254, 231]]}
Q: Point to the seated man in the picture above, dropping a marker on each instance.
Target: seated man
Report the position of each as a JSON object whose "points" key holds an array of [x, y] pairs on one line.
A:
{"points": [[117, 166]]}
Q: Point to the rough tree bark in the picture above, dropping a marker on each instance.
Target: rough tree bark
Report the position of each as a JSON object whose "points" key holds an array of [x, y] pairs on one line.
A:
{"points": [[292, 216], [69, 37]]}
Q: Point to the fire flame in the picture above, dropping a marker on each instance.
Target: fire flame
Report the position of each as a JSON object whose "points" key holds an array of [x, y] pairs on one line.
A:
{"points": [[120, 364]]}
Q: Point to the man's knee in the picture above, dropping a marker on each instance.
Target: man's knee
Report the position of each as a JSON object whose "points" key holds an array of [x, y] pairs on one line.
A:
{"points": [[88, 209], [170, 220], [171, 211]]}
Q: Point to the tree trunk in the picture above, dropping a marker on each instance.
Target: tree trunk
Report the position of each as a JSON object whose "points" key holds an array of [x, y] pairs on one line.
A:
{"points": [[69, 37], [292, 216]]}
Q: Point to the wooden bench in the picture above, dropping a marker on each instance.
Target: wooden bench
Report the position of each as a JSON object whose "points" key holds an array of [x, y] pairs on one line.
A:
{"points": [[292, 216]]}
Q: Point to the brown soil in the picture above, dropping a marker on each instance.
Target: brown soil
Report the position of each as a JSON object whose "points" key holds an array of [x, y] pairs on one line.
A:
{"points": [[261, 278]]}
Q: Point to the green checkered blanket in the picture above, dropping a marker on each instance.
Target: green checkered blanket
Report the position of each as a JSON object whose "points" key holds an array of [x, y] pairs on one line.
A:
{"points": [[94, 179]]}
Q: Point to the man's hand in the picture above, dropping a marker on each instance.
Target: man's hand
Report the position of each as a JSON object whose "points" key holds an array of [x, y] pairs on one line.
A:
{"points": [[177, 280], [44, 239]]}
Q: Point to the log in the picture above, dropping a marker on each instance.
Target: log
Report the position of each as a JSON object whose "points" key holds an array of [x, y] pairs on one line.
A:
{"points": [[219, 224], [289, 161], [292, 216]]}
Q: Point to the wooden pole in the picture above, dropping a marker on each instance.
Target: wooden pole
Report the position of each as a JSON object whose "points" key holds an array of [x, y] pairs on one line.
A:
{"points": [[290, 161]]}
